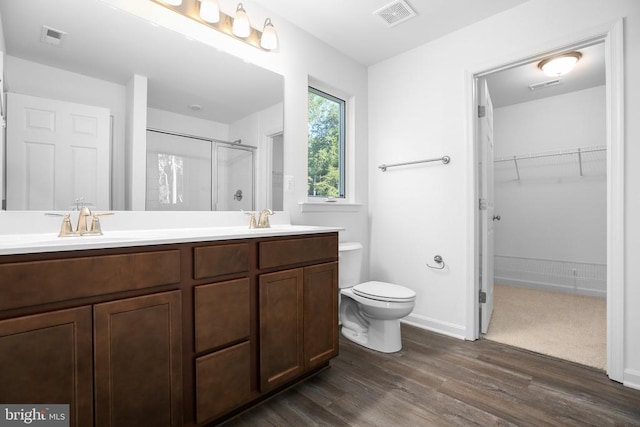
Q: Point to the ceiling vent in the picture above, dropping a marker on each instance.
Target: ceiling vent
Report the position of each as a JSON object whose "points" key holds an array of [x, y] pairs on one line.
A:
{"points": [[543, 85], [395, 12], [52, 36]]}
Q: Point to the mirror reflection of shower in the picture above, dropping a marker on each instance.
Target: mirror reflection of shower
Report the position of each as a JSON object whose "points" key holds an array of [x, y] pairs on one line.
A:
{"points": [[234, 176], [192, 173], [277, 172]]}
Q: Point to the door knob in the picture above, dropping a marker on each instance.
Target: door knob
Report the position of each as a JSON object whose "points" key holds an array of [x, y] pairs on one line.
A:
{"points": [[496, 217]]}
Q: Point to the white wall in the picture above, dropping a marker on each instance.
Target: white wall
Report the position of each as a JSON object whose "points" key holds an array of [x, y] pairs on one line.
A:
{"points": [[552, 219], [192, 126], [418, 212], [32, 78]]}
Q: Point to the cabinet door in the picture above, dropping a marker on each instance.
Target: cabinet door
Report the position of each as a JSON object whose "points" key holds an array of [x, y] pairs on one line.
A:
{"points": [[47, 358], [138, 361], [320, 314], [280, 327]]}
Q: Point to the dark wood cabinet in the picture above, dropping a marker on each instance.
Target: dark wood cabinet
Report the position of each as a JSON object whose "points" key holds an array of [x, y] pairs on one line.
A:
{"points": [[223, 318], [298, 322], [48, 358], [222, 314], [223, 381], [138, 369], [281, 322], [320, 314], [184, 334]]}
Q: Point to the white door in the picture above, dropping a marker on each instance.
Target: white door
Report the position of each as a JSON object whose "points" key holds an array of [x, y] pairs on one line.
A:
{"points": [[485, 138], [57, 152]]}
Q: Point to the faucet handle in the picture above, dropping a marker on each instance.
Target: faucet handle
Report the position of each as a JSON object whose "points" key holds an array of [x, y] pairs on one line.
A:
{"points": [[66, 229], [252, 219], [95, 228]]}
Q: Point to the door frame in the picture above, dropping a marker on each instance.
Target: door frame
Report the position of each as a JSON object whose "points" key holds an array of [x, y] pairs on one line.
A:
{"points": [[612, 36]]}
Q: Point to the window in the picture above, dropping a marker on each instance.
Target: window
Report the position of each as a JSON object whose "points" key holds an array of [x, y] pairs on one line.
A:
{"points": [[170, 179], [326, 173]]}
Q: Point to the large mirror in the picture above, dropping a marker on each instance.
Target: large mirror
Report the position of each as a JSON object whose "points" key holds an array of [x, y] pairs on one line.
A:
{"points": [[115, 84]]}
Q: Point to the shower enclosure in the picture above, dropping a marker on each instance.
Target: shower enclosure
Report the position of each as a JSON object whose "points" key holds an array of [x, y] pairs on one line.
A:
{"points": [[192, 173]]}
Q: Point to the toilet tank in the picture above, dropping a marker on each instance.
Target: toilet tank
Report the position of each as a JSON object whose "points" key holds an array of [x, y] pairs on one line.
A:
{"points": [[350, 259]]}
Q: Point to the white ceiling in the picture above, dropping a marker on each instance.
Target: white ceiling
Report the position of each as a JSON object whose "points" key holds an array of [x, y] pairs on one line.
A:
{"points": [[183, 72], [511, 86], [351, 27]]}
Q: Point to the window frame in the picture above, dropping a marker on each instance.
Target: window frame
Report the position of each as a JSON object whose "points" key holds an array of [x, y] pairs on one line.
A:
{"points": [[343, 101]]}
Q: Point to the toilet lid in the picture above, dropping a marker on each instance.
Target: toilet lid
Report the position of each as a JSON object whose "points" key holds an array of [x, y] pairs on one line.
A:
{"points": [[384, 291]]}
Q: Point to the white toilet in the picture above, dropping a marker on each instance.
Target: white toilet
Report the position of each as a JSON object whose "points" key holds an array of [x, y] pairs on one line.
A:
{"points": [[370, 312]]}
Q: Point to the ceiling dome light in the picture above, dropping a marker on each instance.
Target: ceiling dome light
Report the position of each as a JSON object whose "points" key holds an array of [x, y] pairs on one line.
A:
{"points": [[210, 11], [269, 39], [173, 2], [241, 25], [559, 65]]}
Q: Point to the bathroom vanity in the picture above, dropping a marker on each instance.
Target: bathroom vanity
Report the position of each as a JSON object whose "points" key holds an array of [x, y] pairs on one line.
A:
{"points": [[184, 329]]}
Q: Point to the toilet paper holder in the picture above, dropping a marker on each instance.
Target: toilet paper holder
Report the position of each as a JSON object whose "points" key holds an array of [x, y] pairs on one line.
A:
{"points": [[438, 260]]}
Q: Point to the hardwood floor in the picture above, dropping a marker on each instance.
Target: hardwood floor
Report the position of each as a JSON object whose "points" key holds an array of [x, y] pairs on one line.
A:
{"points": [[441, 381]]}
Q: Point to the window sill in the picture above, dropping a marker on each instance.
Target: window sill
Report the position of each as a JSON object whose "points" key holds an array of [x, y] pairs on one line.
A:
{"points": [[329, 207]]}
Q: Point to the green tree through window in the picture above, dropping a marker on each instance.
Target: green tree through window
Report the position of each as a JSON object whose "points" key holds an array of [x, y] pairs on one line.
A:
{"points": [[326, 145]]}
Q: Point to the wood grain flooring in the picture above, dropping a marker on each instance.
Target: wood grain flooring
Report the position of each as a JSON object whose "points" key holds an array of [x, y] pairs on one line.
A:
{"points": [[441, 381]]}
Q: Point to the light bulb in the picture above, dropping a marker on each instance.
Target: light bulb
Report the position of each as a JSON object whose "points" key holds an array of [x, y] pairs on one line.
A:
{"points": [[210, 11], [241, 26], [269, 39]]}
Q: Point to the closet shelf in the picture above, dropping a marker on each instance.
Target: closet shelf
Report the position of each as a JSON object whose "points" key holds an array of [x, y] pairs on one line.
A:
{"points": [[577, 152]]}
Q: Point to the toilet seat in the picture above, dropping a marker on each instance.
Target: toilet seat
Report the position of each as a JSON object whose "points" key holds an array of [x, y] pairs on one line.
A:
{"points": [[382, 291]]}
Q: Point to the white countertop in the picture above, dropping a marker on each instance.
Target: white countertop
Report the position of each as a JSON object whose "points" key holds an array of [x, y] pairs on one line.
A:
{"points": [[50, 242], [129, 229]]}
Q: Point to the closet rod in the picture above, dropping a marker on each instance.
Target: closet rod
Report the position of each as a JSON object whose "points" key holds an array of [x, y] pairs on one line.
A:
{"points": [[578, 151], [444, 159]]}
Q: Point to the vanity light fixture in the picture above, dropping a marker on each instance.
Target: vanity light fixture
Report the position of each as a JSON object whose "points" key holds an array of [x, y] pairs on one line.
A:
{"points": [[269, 39], [210, 11], [241, 25], [207, 12], [560, 64]]}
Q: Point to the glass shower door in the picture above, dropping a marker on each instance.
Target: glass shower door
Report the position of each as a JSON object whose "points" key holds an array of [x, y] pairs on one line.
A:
{"points": [[234, 177], [178, 172]]}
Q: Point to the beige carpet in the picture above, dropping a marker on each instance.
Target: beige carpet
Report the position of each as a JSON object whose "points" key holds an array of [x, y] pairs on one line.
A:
{"points": [[570, 327]]}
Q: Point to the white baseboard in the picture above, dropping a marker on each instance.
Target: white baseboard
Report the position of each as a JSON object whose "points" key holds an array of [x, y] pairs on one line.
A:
{"points": [[631, 379], [438, 326], [531, 284]]}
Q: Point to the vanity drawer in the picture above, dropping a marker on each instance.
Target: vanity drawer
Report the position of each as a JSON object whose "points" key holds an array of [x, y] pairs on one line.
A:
{"points": [[222, 314], [31, 283], [280, 253], [212, 261], [223, 381]]}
